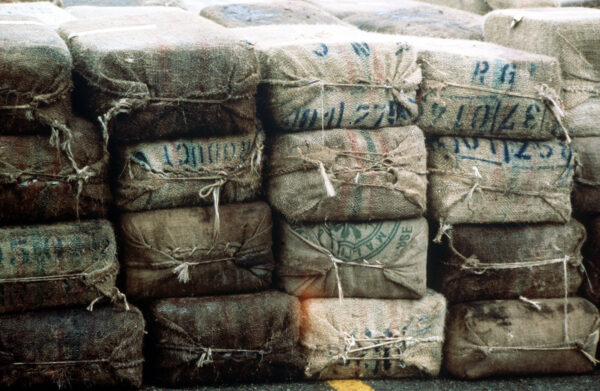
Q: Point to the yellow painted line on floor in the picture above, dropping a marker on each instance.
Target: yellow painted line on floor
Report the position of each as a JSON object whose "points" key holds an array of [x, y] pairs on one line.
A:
{"points": [[349, 385]]}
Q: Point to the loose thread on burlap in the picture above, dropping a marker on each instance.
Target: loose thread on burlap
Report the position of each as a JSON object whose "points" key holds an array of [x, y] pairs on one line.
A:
{"points": [[350, 341]]}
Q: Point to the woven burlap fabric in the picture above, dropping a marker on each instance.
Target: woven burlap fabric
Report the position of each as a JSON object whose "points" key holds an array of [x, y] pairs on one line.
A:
{"points": [[176, 252], [44, 11], [591, 287], [572, 35], [480, 7], [235, 338], [72, 348], [375, 174], [370, 338], [162, 73], [586, 193], [511, 337], [477, 180], [383, 259], [189, 172], [505, 261]]}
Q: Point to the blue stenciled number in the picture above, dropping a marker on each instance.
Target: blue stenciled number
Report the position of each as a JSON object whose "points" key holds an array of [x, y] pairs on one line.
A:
{"points": [[322, 52]]}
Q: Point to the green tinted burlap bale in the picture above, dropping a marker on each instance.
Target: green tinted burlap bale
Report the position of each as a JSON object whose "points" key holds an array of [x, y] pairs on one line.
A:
{"points": [[176, 252], [509, 261], [189, 172], [44, 11], [370, 338], [586, 193], [477, 180], [162, 73], [72, 348], [56, 177], [234, 338], [348, 175], [512, 337], [573, 36], [592, 262], [383, 259]]}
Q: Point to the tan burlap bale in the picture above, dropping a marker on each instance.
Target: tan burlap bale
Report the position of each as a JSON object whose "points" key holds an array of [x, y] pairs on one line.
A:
{"points": [[500, 4], [382, 260], [348, 175], [236, 338], [591, 287], [511, 337], [480, 7], [509, 261], [45, 11], [370, 338], [189, 172], [586, 193], [176, 252], [57, 177], [162, 73], [573, 36], [477, 180]]}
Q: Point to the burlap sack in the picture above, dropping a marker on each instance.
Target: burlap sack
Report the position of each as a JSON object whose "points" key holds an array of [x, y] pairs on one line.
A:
{"points": [[57, 177], [510, 261], [477, 180], [46, 12], [573, 36], [500, 4], [480, 7], [237, 338], [189, 172], [176, 252], [591, 287], [382, 260], [348, 175], [72, 348], [480, 89], [511, 337], [162, 74], [369, 338], [586, 193]]}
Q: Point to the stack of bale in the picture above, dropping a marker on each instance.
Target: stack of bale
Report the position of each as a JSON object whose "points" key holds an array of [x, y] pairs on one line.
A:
{"points": [[53, 171]]}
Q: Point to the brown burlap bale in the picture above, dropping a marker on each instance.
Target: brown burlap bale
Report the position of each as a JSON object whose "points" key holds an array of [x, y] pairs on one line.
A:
{"points": [[348, 175], [251, 337], [163, 73], [383, 259], [586, 193], [189, 172], [44, 11], [477, 180], [57, 177], [176, 252], [500, 4], [72, 348], [480, 7], [510, 261], [370, 338], [511, 337], [573, 36], [591, 287]]}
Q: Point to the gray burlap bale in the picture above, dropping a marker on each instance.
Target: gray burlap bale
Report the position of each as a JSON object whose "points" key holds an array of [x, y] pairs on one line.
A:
{"points": [[370, 338], [72, 348], [586, 193], [382, 260], [162, 73], [572, 35], [348, 175], [44, 11], [512, 337], [591, 287], [477, 180]]}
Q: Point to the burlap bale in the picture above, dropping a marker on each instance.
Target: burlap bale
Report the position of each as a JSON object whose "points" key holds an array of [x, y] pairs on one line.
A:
{"points": [[57, 177], [161, 74], [72, 348], [46, 12], [591, 287], [237, 338], [477, 180], [189, 172], [508, 261], [480, 89], [176, 252], [370, 338], [348, 175], [382, 260], [586, 193], [511, 337], [480, 7], [500, 4], [573, 36]]}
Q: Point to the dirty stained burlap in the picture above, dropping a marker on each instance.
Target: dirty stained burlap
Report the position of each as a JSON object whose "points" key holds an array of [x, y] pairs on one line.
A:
{"points": [[511, 337], [236, 338], [477, 180], [383, 259], [59, 176], [506, 261], [176, 252], [162, 73], [591, 287], [72, 348], [572, 35], [375, 174], [586, 193], [189, 172], [44, 11], [370, 338]]}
